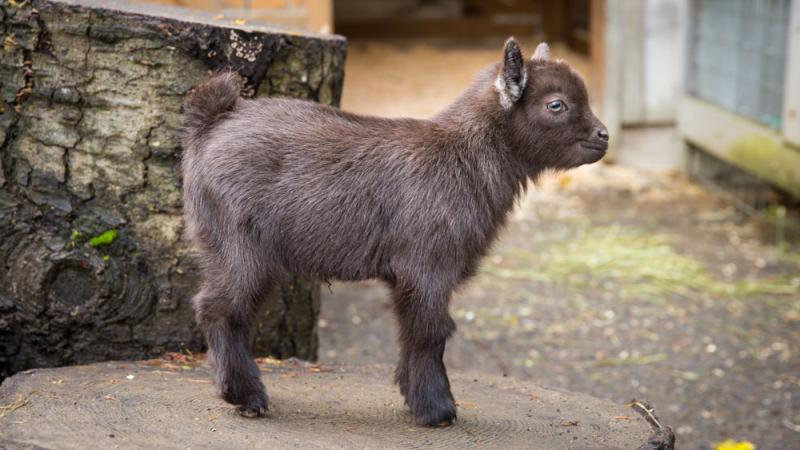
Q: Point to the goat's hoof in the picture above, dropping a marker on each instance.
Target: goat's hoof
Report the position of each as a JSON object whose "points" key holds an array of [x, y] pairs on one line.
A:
{"points": [[444, 423], [256, 405], [441, 415], [254, 409]]}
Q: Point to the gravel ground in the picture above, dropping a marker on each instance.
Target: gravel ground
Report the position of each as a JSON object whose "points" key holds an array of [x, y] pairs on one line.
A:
{"points": [[659, 292], [609, 281]]}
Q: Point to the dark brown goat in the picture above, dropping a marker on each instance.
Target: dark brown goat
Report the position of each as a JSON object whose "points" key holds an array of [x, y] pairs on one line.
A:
{"points": [[275, 188]]}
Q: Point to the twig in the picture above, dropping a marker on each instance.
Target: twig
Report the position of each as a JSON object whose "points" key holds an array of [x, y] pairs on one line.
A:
{"points": [[662, 437], [488, 349], [791, 425], [647, 412]]}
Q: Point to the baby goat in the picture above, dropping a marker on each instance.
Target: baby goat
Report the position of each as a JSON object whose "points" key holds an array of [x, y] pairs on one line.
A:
{"points": [[275, 188]]}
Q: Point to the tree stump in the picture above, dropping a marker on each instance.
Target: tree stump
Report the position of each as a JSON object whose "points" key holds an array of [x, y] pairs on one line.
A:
{"points": [[94, 266], [172, 405]]}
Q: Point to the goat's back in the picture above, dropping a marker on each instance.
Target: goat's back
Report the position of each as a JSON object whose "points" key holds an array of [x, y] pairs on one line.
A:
{"points": [[327, 193]]}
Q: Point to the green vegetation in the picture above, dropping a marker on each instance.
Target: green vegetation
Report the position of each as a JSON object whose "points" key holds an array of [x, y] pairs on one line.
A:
{"points": [[105, 238], [632, 360], [631, 262]]}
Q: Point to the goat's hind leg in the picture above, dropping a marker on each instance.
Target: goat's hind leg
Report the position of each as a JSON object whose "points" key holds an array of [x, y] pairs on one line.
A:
{"points": [[226, 318]]}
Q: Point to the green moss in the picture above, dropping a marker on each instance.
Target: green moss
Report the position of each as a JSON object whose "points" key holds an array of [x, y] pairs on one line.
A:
{"points": [[769, 157], [631, 263], [105, 238], [632, 361], [76, 236]]}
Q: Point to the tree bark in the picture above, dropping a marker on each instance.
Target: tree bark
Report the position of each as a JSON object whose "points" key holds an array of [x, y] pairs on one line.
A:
{"points": [[94, 265]]}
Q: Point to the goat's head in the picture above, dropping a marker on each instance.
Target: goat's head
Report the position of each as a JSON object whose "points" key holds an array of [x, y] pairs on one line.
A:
{"points": [[547, 108]]}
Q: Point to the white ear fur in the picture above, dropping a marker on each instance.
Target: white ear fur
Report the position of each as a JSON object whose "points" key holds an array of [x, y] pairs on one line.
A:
{"points": [[542, 52], [513, 76]]}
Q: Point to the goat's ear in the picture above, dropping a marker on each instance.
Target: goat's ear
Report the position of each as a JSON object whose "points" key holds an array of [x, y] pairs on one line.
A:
{"points": [[513, 75], [542, 52]]}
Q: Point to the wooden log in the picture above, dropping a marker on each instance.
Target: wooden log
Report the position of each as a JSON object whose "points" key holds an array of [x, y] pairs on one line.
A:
{"points": [[94, 266], [172, 405]]}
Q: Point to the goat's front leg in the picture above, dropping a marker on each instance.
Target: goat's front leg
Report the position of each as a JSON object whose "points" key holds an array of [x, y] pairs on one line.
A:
{"points": [[425, 326]]}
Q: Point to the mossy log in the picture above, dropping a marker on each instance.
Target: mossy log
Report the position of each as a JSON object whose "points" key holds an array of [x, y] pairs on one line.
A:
{"points": [[94, 265]]}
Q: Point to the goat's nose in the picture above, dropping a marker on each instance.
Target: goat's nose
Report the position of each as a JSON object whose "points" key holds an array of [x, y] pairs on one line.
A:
{"points": [[602, 133]]}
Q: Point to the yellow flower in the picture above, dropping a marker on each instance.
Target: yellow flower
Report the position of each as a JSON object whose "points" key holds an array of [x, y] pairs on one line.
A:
{"points": [[730, 444]]}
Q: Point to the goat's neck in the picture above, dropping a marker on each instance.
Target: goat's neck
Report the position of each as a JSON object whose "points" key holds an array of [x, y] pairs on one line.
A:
{"points": [[477, 128], [476, 135]]}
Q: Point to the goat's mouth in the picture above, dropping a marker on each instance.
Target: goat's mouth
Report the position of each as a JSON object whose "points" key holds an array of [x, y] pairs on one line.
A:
{"points": [[599, 147], [593, 151]]}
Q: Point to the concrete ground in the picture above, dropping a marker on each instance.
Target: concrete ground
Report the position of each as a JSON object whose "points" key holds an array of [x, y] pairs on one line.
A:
{"points": [[611, 281]]}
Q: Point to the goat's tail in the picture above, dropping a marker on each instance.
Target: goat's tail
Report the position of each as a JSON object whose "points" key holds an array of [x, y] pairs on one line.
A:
{"points": [[207, 102]]}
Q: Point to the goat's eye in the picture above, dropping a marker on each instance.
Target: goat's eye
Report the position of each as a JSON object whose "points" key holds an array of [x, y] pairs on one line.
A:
{"points": [[556, 106]]}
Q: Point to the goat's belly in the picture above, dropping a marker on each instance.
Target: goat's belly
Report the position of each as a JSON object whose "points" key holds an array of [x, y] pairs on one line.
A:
{"points": [[336, 259]]}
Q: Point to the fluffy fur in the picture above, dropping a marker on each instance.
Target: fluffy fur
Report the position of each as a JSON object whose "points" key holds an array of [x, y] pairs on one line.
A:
{"points": [[275, 188]]}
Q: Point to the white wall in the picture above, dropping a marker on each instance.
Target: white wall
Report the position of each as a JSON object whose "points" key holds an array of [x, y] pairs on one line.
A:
{"points": [[665, 29], [651, 65]]}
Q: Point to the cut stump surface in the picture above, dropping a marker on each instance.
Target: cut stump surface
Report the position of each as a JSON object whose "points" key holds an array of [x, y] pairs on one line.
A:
{"points": [[162, 404]]}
